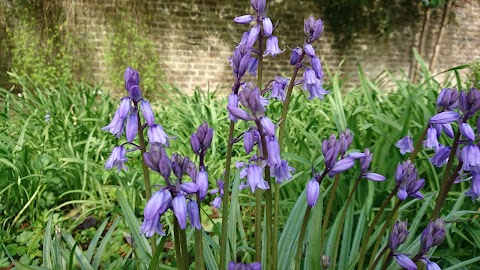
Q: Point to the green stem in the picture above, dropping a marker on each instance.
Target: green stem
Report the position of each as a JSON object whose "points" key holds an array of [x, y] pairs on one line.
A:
{"points": [[388, 259], [178, 251], [384, 228], [258, 225], [368, 233], [199, 261], [281, 135], [379, 258], [418, 145], [328, 212], [146, 176], [226, 199], [301, 237], [184, 248], [446, 181], [342, 221]]}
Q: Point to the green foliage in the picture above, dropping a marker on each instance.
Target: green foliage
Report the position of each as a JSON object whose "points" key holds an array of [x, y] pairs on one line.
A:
{"points": [[130, 46], [473, 77]]}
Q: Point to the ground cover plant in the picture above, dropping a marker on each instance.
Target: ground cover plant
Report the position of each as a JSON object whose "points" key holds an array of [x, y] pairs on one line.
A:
{"points": [[272, 177]]}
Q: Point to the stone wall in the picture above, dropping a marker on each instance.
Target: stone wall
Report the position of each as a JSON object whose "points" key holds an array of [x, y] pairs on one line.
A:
{"points": [[194, 38]]}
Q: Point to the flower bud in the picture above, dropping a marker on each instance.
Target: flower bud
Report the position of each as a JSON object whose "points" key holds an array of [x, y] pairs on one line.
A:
{"points": [[194, 215], [195, 143], [147, 112], [132, 126], [180, 210], [267, 26], [245, 19], [295, 57], [313, 190], [309, 50], [202, 183], [444, 117], [267, 125], [189, 187], [248, 141]]}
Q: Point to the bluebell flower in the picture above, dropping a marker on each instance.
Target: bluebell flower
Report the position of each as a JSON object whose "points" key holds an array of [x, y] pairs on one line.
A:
{"points": [[273, 149], [447, 100], [308, 48], [474, 191], [179, 205], [282, 172], [267, 26], [189, 187], [405, 262], [252, 66], [151, 226], [158, 204], [233, 103], [432, 235], [194, 215], [239, 113], [279, 88], [447, 128], [467, 131], [243, 266], [272, 47], [217, 202], [244, 19], [430, 265], [117, 159], [398, 235], [313, 191], [152, 158], [470, 156], [341, 166], [248, 141], [317, 67], [254, 177], [131, 77], [469, 103], [441, 156], [344, 140], [405, 145], [295, 58], [444, 117], [253, 35], [316, 91], [431, 141], [156, 134], [259, 6], [132, 126], [116, 127], [268, 126], [202, 182], [147, 112], [313, 29], [408, 184]]}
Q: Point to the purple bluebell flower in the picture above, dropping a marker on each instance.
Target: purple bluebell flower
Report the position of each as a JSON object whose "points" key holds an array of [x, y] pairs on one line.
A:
{"points": [[267, 26], [398, 235], [132, 126], [282, 172], [313, 190], [344, 139], [295, 58], [268, 126], [469, 103], [135, 93], [254, 177], [124, 108], [147, 112], [152, 158], [309, 50], [253, 35], [467, 132], [165, 167], [430, 265], [441, 156], [474, 191], [316, 91], [309, 78], [408, 184], [131, 77], [233, 103], [116, 127], [447, 128], [470, 156], [405, 262], [240, 60], [189, 187], [217, 202], [365, 162], [258, 5], [341, 166], [273, 149], [194, 215], [158, 204], [444, 117], [405, 145], [278, 88], [432, 235], [179, 205], [248, 141], [331, 157], [117, 159], [204, 135], [239, 113], [252, 66], [447, 100], [272, 47], [317, 67], [431, 141], [313, 29], [244, 19], [375, 177], [151, 226], [202, 182], [243, 266], [156, 134]]}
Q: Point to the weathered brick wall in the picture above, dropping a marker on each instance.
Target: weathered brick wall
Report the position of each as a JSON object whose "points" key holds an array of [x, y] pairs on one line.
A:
{"points": [[194, 38]]}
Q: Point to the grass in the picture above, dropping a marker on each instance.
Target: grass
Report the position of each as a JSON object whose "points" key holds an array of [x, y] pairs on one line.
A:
{"points": [[52, 173]]}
